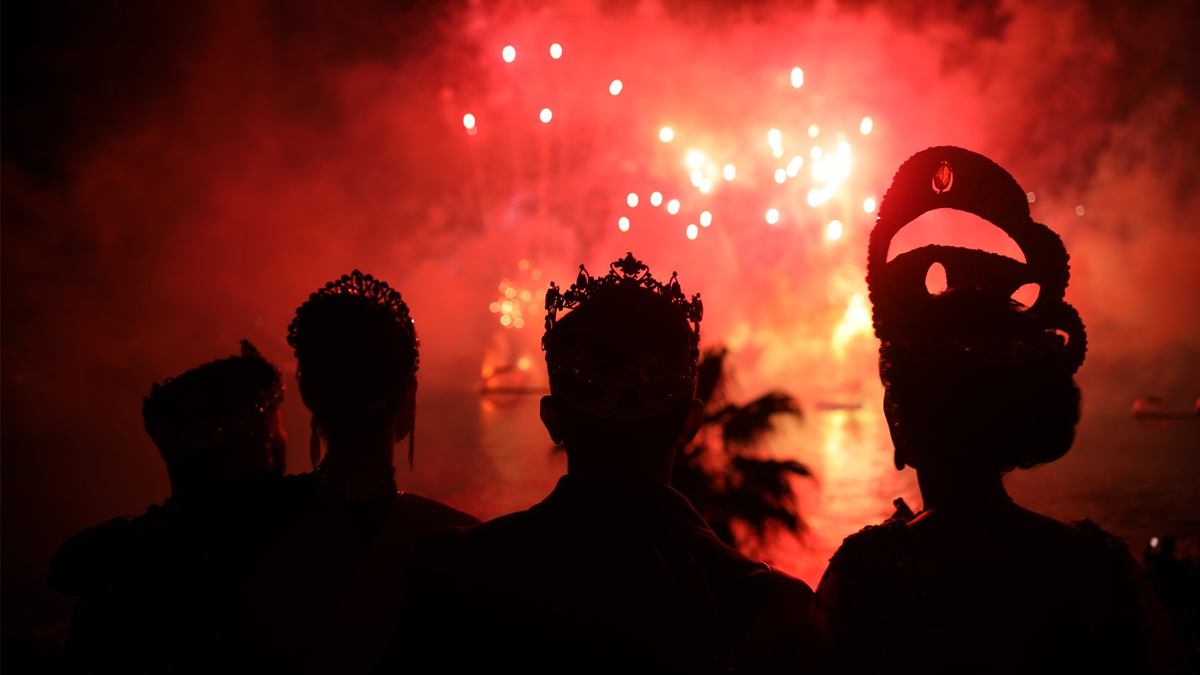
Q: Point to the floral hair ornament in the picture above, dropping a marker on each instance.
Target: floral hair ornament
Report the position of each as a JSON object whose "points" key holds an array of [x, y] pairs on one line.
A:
{"points": [[948, 177], [629, 378]]}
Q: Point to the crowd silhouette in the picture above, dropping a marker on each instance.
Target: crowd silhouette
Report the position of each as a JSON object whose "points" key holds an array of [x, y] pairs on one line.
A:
{"points": [[337, 570]]}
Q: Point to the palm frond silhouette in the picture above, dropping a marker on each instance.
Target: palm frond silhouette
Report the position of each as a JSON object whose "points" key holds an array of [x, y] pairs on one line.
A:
{"points": [[746, 498]]}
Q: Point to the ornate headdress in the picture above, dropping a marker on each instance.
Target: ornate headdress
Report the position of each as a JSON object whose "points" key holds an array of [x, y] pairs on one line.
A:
{"points": [[600, 364], [904, 311], [376, 291], [214, 405]]}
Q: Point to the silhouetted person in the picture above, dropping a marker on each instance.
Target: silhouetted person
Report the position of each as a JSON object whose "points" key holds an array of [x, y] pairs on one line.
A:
{"points": [[975, 385], [157, 591], [326, 600], [614, 571]]}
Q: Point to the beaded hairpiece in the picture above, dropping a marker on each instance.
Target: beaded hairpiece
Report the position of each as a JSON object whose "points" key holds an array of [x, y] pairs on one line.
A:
{"points": [[954, 178], [643, 387], [362, 285], [176, 428]]}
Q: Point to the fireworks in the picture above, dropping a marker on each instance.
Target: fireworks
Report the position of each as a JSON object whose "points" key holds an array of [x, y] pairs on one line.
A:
{"points": [[517, 303]]}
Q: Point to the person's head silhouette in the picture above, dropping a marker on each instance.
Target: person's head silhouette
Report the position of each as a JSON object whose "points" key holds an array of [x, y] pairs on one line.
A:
{"points": [[356, 351], [218, 421], [974, 381], [622, 364]]}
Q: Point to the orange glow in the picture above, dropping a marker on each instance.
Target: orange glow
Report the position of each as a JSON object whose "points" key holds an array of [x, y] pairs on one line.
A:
{"points": [[813, 130], [524, 363], [615, 87], [772, 216], [666, 134], [695, 159], [506, 320], [834, 230], [1031, 197], [1079, 210], [856, 322], [509, 54], [545, 115]]}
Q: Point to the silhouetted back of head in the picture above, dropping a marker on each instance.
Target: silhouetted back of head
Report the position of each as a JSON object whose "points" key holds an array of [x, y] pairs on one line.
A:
{"points": [[972, 377], [357, 351], [623, 361], [981, 386], [215, 421]]}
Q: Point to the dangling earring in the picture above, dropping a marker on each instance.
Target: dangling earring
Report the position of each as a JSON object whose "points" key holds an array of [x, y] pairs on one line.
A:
{"points": [[314, 443], [893, 423], [412, 432]]}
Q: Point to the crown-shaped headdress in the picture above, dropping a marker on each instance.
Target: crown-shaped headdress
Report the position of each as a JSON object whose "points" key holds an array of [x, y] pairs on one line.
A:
{"points": [[623, 380], [363, 285], [357, 284], [954, 178], [247, 387]]}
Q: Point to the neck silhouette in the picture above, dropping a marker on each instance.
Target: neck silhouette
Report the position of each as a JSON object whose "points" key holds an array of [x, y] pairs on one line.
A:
{"points": [[360, 450], [961, 488]]}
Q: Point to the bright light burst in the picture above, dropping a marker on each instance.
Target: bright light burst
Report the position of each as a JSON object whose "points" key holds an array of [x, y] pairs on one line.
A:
{"points": [[623, 224], [797, 77], [814, 131], [856, 322], [632, 199], [666, 134], [655, 198], [509, 53], [545, 116], [834, 230], [673, 206], [469, 121], [772, 216], [866, 125], [555, 51], [729, 172], [869, 205], [692, 231], [616, 87], [516, 303], [705, 218]]}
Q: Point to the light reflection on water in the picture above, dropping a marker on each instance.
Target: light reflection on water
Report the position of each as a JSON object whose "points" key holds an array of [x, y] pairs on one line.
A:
{"points": [[490, 455]]}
